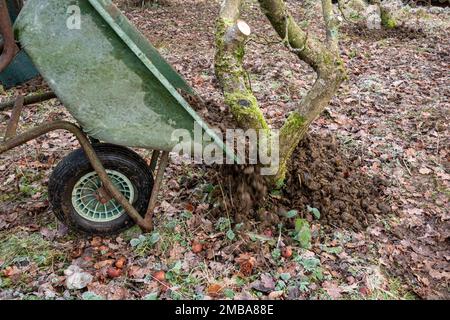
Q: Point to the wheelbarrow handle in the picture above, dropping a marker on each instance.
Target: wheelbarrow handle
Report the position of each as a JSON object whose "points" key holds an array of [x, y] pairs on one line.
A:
{"points": [[6, 31]]}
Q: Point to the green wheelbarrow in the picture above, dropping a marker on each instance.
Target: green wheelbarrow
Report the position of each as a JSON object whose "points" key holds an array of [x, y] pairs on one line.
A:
{"points": [[122, 94]]}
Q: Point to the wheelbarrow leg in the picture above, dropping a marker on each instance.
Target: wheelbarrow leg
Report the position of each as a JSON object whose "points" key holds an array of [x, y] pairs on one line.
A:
{"points": [[15, 117], [163, 162], [154, 160]]}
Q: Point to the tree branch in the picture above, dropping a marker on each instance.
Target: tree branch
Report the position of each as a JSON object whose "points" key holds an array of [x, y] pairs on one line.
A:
{"points": [[331, 25], [231, 33], [324, 58]]}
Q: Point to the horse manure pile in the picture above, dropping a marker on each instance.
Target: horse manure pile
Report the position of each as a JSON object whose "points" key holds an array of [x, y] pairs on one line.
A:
{"points": [[320, 176]]}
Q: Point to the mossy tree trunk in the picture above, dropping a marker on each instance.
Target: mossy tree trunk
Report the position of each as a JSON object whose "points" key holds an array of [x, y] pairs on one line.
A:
{"points": [[323, 57], [231, 33]]}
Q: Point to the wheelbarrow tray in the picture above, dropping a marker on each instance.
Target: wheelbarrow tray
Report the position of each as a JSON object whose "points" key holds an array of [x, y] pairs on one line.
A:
{"points": [[107, 74]]}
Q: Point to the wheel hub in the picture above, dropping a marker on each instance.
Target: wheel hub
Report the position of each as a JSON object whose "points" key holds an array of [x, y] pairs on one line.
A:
{"points": [[92, 201], [102, 195]]}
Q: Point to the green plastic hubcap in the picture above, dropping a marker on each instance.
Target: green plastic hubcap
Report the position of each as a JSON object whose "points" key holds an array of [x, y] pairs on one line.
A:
{"points": [[91, 201]]}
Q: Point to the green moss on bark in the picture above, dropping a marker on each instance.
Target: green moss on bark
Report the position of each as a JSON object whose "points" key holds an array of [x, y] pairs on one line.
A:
{"points": [[245, 110], [294, 122], [233, 78], [291, 134], [387, 20]]}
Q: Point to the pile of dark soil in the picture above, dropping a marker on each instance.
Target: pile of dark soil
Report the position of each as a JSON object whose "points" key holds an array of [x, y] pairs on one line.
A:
{"points": [[322, 177]]}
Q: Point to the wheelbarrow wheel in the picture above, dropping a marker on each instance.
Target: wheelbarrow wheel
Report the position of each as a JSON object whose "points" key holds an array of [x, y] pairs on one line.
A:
{"points": [[78, 199]]}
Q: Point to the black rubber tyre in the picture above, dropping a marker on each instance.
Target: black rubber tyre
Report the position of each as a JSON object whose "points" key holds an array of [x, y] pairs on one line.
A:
{"points": [[76, 166]]}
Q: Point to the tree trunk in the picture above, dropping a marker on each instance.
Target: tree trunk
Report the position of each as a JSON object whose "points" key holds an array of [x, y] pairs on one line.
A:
{"points": [[322, 57], [231, 33]]}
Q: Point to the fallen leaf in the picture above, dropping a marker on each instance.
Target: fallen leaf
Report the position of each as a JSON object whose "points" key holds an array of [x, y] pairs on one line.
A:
{"points": [[276, 295], [114, 272], [268, 233], [214, 290], [247, 263], [104, 263], [332, 289], [120, 263], [96, 242], [137, 272], [267, 281], [424, 170], [103, 249]]}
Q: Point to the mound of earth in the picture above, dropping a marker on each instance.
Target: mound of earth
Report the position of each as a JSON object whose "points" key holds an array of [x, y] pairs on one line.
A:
{"points": [[321, 176]]}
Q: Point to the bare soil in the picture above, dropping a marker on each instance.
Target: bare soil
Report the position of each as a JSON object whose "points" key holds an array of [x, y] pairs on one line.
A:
{"points": [[320, 176]]}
